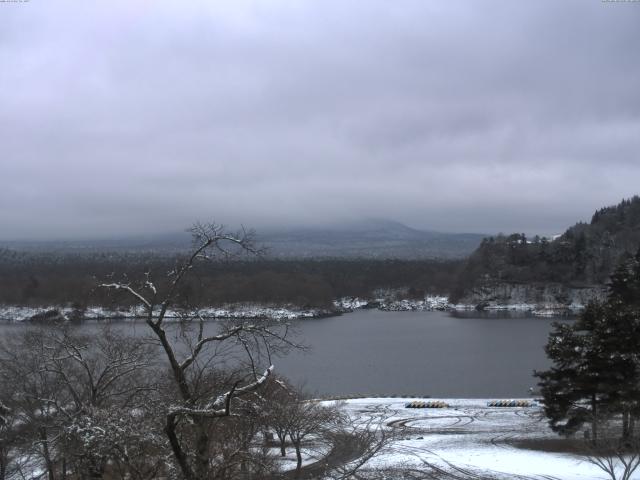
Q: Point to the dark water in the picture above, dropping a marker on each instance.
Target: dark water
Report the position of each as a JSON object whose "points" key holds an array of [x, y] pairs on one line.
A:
{"points": [[422, 353], [406, 353]]}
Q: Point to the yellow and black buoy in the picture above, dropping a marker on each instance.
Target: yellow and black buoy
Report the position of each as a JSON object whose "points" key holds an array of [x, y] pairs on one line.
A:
{"points": [[509, 403]]}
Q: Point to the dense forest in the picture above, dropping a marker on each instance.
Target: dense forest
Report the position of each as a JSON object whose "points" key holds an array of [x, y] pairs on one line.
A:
{"points": [[67, 279], [585, 254]]}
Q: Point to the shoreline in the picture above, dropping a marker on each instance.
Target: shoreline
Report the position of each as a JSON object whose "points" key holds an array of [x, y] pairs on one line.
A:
{"points": [[58, 313]]}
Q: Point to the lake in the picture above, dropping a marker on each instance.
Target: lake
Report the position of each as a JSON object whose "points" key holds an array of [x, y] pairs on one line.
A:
{"points": [[439, 354], [423, 353]]}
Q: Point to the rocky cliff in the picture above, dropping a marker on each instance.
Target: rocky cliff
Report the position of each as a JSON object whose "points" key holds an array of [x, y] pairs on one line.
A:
{"points": [[552, 297]]}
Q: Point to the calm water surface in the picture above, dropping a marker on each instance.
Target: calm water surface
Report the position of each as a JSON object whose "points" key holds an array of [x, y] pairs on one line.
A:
{"points": [[407, 353], [422, 353]]}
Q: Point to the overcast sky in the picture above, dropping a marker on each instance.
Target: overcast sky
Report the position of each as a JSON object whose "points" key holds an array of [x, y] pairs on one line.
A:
{"points": [[122, 117]]}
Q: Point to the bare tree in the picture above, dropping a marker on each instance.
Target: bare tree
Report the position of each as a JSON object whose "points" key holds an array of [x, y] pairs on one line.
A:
{"points": [[350, 441], [308, 418], [240, 443], [187, 401], [8, 439], [281, 399], [188, 422], [366, 437], [618, 457], [75, 395], [35, 393]]}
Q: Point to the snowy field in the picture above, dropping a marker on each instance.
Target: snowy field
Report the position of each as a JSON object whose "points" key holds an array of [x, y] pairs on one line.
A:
{"points": [[472, 440]]}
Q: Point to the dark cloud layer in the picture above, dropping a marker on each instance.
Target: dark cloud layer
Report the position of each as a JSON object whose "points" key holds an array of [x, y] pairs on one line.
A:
{"points": [[138, 116]]}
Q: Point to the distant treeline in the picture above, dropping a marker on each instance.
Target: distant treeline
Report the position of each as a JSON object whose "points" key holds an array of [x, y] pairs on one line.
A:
{"points": [[586, 254], [66, 279]]}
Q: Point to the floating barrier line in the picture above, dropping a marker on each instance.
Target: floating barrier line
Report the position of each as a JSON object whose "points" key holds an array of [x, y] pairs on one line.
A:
{"points": [[510, 403], [429, 404]]}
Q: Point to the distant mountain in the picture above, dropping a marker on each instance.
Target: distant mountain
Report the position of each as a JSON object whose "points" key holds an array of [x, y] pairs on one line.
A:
{"points": [[369, 239], [584, 255], [364, 239]]}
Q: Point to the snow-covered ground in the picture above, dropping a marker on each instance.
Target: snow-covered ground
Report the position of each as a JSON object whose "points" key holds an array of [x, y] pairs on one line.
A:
{"points": [[469, 438], [438, 302], [310, 454], [21, 313], [283, 312]]}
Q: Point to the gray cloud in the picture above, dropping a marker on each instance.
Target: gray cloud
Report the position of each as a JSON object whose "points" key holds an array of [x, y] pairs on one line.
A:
{"points": [[128, 117]]}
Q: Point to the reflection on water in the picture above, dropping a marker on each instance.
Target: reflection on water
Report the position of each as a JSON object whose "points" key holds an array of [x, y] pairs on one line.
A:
{"points": [[503, 314]]}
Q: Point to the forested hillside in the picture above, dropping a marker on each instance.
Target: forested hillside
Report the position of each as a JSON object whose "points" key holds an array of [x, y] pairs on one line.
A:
{"points": [[584, 255], [36, 279]]}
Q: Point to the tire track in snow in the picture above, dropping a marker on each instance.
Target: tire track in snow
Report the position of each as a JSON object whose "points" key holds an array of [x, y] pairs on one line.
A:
{"points": [[458, 419], [528, 420]]}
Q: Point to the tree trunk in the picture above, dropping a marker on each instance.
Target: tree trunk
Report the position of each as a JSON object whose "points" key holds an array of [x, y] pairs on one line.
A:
{"points": [[283, 444], [181, 457], [625, 424], [594, 421], [46, 454], [202, 452], [4, 457], [297, 446], [96, 472]]}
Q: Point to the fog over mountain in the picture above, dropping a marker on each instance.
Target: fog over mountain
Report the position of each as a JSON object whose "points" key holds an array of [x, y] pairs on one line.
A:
{"points": [[122, 118], [371, 238]]}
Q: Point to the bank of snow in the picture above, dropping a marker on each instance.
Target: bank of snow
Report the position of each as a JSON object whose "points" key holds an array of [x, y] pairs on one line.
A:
{"points": [[53, 314], [471, 440], [442, 303], [385, 300], [429, 303]]}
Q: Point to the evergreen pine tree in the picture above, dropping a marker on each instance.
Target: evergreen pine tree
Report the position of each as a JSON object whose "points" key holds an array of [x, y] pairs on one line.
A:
{"points": [[574, 388], [596, 360]]}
